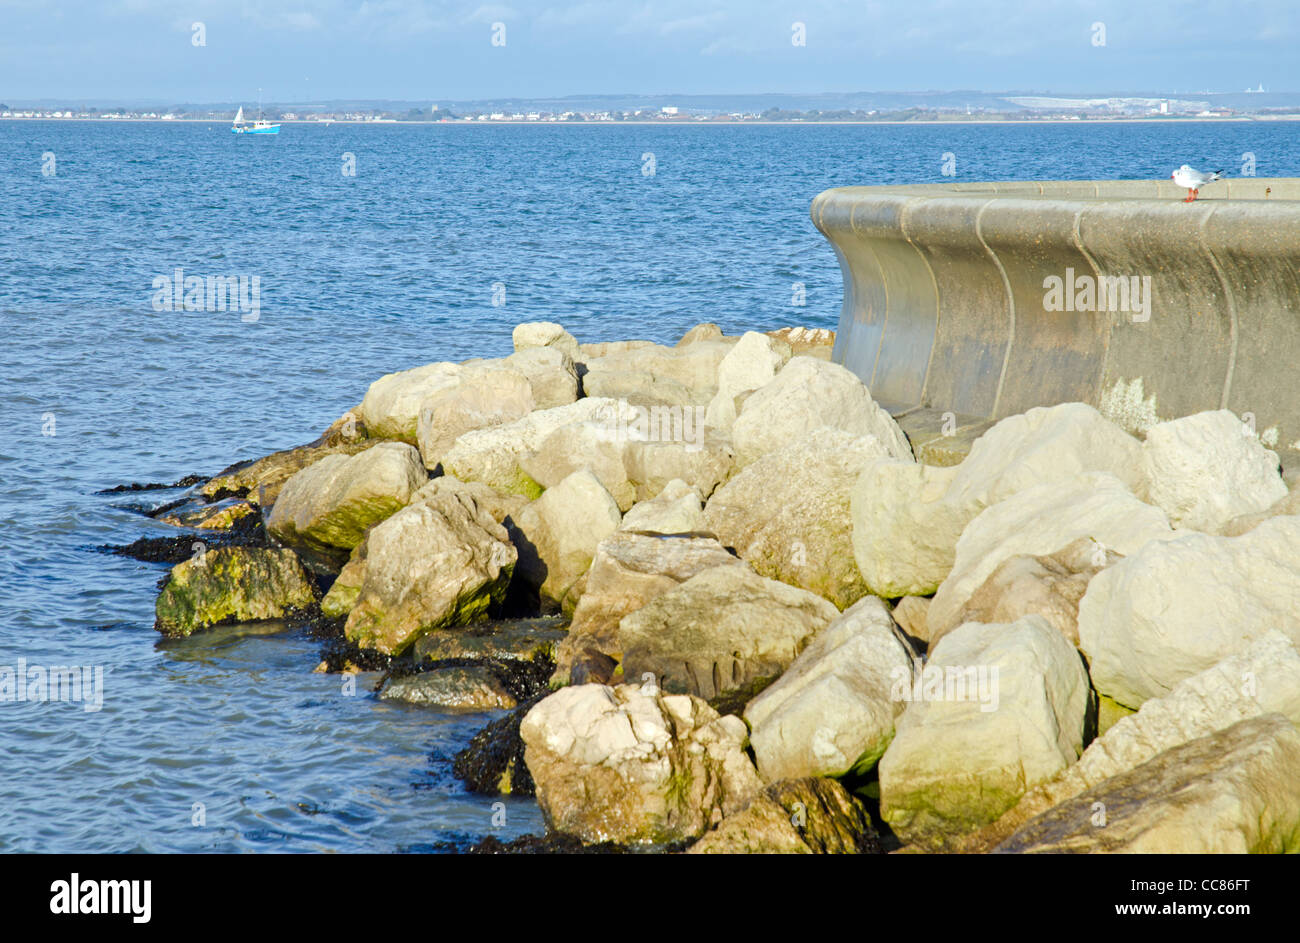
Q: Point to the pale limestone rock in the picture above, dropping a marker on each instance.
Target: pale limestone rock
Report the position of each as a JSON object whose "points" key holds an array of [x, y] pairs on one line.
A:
{"points": [[443, 562], [658, 376], [963, 754], [391, 407], [1231, 792], [906, 519], [904, 531], [492, 455], [545, 334], [751, 363], [703, 462], [1176, 607], [787, 513], [1241, 524], [630, 765], [678, 509], [550, 372], [588, 445], [629, 570], [720, 630], [482, 398], [1050, 586], [808, 393], [1208, 468], [557, 536], [910, 614], [1040, 521], [831, 712], [1265, 678]]}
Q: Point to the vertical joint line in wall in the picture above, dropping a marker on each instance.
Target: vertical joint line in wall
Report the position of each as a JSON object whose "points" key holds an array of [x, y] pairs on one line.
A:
{"points": [[1232, 308], [1110, 324], [1011, 306], [880, 269], [934, 283]]}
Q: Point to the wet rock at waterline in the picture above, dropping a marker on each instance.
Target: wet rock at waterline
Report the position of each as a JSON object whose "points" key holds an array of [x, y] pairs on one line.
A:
{"points": [[631, 765], [442, 562], [232, 584], [324, 510], [464, 688]]}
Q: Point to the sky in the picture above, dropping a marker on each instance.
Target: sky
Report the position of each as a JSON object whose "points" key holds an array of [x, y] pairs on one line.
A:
{"points": [[317, 50]]}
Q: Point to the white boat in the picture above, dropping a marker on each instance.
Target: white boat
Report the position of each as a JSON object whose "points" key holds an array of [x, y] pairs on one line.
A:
{"points": [[260, 126]]}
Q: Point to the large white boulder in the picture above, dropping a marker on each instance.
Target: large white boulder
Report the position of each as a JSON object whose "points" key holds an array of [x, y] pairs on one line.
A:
{"points": [[1263, 679], [675, 510], [907, 518], [1041, 521], [808, 393], [751, 363], [550, 373], [996, 710], [787, 513], [628, 570], [557, 536], [325, 509], [588, 445], [482, 397], [1231, 792], [628, 764], [831, 712], [492, 455], [1176, 607], [720, 630], [534, 334], [1208, 468], [440, 563], [391, 407]]}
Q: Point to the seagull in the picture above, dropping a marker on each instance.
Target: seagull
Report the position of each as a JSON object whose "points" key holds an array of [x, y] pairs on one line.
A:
{"points": [[1193, 180]]}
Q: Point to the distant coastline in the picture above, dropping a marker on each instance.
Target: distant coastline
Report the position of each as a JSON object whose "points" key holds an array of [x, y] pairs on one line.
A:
{"points": [[953, 120]]}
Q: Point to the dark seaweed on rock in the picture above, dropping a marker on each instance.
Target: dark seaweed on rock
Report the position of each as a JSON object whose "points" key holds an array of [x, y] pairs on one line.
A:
{"points": [[493, 763], [523, 679], [735, 700], [246, 532], [553, 843], [188, 481]]}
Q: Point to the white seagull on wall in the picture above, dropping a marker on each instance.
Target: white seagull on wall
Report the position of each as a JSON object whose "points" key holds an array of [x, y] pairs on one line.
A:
{"points": [[1193, 180]]}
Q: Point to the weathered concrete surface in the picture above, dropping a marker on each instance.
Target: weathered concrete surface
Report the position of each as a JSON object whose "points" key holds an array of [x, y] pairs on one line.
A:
{"points": [[945, 302]]}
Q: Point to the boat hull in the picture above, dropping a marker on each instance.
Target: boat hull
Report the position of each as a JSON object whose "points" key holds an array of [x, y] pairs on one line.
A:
{"points": [[273, 129]]}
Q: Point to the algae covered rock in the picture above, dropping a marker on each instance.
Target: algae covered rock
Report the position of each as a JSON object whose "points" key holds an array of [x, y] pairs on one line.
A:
{"points": [[232, 584], [443, 562], [324, 510], [1231, 792], [996, 710]]}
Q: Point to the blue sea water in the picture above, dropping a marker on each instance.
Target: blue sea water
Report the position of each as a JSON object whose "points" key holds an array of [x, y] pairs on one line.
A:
{"points": [[360, 275]]}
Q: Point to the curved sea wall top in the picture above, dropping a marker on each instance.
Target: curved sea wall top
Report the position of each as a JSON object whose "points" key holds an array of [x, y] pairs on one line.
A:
{"points": [[985, 299]]}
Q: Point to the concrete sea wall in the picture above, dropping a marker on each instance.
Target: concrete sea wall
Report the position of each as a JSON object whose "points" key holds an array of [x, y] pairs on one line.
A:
{"points": [[966, 303]]}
